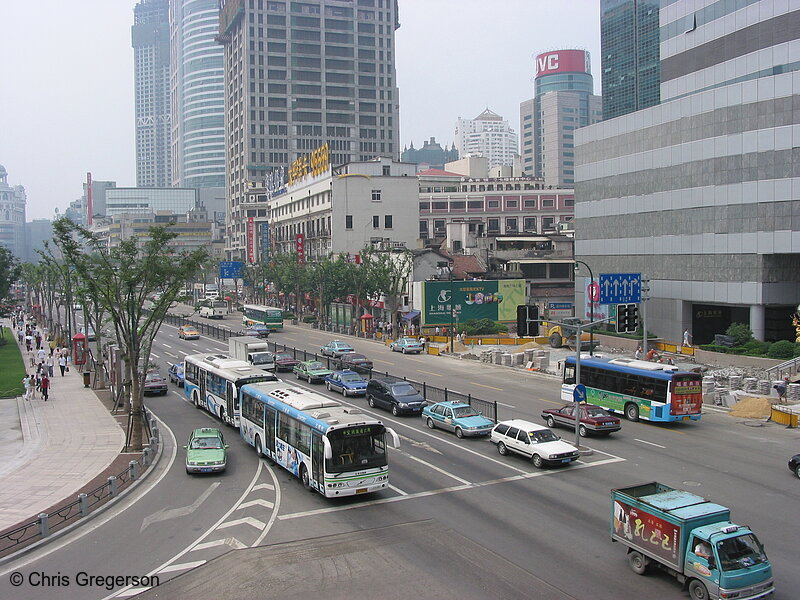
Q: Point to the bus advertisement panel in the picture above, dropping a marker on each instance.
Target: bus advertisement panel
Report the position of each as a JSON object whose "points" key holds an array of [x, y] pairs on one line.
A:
{"points": [[333, 449], [636, 388], [269, 316]]}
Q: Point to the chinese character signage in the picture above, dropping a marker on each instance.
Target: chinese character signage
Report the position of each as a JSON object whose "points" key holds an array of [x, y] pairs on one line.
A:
{"points": [[229, 269], [314, 164], [495, 300], [251, 235], [275, 182], [658, 536], [266, 243], [300, 247]]}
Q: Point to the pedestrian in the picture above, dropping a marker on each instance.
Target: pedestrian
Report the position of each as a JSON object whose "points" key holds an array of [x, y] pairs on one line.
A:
{"points": [[49, 363], [687, 338], [44, 384], [26, 382], [437, 331], [40, 354], [32, 385], [638, 354], [652, 355], [781, 388], [28, 342], [62, 362]]}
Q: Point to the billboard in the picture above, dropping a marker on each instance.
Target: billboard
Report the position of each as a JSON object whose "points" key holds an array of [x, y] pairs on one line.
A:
{"points": [[563, 61], [495, 300], [251, 240]]}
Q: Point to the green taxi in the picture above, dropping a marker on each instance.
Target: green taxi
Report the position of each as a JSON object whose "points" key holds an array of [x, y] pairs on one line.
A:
{"points": [[206, 451]]}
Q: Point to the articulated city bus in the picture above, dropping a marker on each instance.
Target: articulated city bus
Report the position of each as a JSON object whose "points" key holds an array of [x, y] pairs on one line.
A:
{"points": [[332, 448], [212, 382], [637, 388], [270, 316]]}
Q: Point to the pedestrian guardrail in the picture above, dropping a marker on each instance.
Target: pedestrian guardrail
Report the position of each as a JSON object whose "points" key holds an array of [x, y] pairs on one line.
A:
{"points": [[46, 524]]}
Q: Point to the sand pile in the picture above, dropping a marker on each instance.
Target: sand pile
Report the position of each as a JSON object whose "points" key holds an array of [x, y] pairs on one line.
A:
{"points": [[528, 346], [752, 407]]}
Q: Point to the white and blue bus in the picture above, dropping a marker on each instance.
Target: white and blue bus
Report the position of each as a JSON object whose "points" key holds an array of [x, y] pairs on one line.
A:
{"points": [[212, 382], [332, 448], [637, 388]]}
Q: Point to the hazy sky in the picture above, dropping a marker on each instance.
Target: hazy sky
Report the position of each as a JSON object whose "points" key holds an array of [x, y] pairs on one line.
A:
{"points": [[66, 105]]}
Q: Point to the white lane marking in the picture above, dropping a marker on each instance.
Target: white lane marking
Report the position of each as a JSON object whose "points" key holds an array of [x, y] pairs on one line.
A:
{"points": [[258, 502], [274, 515], [398, 490], [183, 566], [264, 486], [231, 541], [438, 470], [167, 346], [447, 490], [171, 513], [154, 355], [244, 521], [649, 443]]}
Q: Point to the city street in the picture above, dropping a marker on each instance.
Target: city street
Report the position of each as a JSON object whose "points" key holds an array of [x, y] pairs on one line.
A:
{"points": [[553, 523]]}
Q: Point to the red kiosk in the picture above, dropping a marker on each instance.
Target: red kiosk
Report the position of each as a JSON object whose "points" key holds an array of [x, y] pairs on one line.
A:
{"points": [[80, 351]]}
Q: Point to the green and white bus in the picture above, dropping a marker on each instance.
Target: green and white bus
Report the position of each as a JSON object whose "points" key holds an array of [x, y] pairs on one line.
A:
{"points": [[269, 316], [334, 449]]}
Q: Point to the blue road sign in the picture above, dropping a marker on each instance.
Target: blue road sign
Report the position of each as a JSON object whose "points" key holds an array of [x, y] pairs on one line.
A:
{"points": [[579, 393], [230, 269], [620, 288]]}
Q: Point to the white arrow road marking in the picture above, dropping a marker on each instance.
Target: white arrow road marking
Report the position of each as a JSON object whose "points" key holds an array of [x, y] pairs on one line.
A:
{"points": [[171, 513], [259, 502], [231, 541], [244, 521], [182, 566], [264, 486]]}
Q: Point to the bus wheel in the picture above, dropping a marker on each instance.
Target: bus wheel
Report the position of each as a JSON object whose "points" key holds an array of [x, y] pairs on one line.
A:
{"points": [[196, 399], [555, 340], [259, 448], [304, 477], [222, 414], [631, 412], [697, 591]]}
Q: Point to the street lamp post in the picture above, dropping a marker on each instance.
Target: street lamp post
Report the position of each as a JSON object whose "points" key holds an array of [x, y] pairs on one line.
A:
{"points": [[591, 310]]}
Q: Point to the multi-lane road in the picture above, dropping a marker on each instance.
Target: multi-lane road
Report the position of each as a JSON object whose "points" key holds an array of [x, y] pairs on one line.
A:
{"points": [[553, 523]]}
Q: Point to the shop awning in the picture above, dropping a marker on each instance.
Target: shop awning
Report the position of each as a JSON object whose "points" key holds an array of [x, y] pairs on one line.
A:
{"points": [[366, 316], [412, 314]]}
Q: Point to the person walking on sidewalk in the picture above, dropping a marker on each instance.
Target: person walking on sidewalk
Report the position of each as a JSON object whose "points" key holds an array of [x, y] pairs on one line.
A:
{"points": [[27, 383], [32, 385], [45, 385], [49, 362]]}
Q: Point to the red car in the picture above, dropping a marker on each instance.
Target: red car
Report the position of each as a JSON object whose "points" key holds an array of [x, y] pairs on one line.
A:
{"points": [[593, 419], [284, 361]]}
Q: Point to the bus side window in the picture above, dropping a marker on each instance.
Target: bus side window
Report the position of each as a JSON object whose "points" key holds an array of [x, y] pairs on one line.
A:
{"points": [[569, 374]]}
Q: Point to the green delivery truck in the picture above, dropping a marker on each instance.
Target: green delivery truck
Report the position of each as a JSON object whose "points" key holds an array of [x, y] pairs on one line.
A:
{"points": [[692, 539]]}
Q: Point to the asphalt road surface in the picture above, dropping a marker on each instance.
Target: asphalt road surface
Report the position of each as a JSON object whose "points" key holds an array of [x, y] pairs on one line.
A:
{"points": [[551, 524]]}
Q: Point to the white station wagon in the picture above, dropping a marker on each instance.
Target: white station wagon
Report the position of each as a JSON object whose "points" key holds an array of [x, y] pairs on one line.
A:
{"points": [[538, 443]]}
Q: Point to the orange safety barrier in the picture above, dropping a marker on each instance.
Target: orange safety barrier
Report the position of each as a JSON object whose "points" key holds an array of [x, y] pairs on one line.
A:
{"points": [[783, 416]]}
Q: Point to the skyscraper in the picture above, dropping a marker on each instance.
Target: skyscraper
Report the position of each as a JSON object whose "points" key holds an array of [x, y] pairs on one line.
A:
{"points": [[629, 45], [563, 101], [299, 75], [488, 135], [197, 83], [150, 40]]}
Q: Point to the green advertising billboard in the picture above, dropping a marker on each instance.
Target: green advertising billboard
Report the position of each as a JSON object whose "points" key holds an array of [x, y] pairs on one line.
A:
{"points": [[495, 300]]}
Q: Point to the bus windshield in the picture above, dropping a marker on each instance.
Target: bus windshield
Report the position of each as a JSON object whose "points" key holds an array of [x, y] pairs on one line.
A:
{"points": [[356, 448]]}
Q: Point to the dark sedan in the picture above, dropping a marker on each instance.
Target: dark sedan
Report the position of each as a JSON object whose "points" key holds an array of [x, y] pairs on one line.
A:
{"points": [[593, 419], [257, 330], [356, 362], [284, 361], [794, 464]]}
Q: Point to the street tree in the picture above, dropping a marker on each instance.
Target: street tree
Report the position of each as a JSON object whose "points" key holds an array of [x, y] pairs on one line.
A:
{"points": [[121, 279], [10, 270], [390, 271], [328, 280]]}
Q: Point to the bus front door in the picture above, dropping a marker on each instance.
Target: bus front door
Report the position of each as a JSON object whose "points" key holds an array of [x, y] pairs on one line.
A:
{"points": [[231, 403], [318, 460], [269, 430]]}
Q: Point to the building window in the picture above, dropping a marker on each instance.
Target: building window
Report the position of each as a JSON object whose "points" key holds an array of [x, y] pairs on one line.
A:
{"points": [[386, 170], [376, 222], [423, 229], [348, 221], [438, 226], [548, 223], [376, 195], [511, 225], [494, 226], [494, 204], [569, 201], [387, 221], [548, 202], [511, 203], [529, 224]]}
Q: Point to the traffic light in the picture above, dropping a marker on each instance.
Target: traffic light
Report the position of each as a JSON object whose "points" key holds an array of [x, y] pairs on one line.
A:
{"points": [[627, 318], [527, 320]]}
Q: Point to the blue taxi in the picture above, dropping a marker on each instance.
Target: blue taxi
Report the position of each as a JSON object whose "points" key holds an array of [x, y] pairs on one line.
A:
{"points": [[460, 418]]}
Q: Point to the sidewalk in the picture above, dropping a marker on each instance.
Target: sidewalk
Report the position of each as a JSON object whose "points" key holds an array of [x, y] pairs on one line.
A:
{"points": [[50, 450]]}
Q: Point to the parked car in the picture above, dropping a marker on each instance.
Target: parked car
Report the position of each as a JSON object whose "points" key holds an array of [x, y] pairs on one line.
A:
{"points": [[206, 451], [355, 362], [593, 419], [406, 345], [336, 348], [284, 361], [188, 332], [348, 382], [312, 370], [794, 464], [176, 374], [538, 443], [154, 383], [460, 418], [256, 330], [394, 394]]}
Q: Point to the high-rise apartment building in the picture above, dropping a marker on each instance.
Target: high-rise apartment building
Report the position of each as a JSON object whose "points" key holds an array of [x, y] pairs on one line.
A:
{"points": [[629, 45], [563, 101], [702, 192], [12, 216], [150, 40], [487, 135], [197, 83], [299, 75]]}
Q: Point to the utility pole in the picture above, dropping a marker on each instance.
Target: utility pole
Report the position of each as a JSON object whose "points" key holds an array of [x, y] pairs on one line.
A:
{"points": [[645, 288]]}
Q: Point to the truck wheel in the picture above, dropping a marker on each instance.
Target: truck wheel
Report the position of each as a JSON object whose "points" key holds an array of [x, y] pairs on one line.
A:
{"points": [[697, 591], [555, 340], [637, 562], [631, 412]]}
